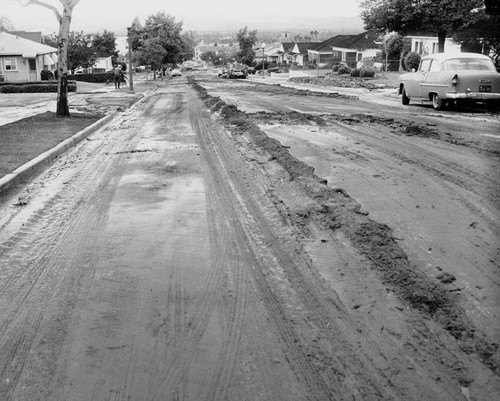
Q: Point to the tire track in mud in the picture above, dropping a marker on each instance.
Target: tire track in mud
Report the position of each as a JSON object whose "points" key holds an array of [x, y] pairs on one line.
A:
{"points": [[373, 240], [218, 163], [299, 352], [35, 308]]}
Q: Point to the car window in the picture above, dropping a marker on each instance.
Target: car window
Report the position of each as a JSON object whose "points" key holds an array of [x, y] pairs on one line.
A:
{"points": [[435, 66], [471, 64], [425, 65]]}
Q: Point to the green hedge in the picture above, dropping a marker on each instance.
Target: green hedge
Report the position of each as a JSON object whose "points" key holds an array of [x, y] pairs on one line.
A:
{"points": [[101, 77], [34, 87]]}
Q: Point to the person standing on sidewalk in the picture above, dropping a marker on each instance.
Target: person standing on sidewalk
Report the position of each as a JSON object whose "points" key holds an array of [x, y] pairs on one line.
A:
{"points": [[118, 75]]}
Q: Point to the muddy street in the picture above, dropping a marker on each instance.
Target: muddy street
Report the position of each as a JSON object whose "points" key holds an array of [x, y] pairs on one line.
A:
{"points": [[229, 240]]}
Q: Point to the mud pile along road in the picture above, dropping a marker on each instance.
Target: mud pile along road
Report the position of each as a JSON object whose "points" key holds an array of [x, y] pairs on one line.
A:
{"points": [[183, 253]]}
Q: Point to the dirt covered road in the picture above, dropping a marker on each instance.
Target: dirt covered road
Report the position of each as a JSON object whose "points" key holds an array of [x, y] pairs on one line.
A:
{"points": [[224, 240]]}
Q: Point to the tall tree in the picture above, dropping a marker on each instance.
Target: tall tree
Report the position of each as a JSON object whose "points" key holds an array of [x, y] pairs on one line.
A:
{"points": [[246, 40], [80, 50], [152, 54], [167, 33], [104, 44], [441, 17], [63, 15], [482, 36]]}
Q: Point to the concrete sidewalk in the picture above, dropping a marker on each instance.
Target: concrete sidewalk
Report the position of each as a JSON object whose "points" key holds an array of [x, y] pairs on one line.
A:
{"points": [[105, 99]]}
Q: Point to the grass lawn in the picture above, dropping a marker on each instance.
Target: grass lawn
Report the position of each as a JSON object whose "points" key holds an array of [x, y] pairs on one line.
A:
{"points": [[23, 140]]}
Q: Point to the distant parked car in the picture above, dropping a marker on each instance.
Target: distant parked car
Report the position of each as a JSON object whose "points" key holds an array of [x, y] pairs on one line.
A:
{"points": [[457, 77], [224, 72], [176, 72]]}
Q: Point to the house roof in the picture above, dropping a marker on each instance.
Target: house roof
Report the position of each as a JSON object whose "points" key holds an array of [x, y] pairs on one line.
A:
{"points": [[287, 46], [12, 45], [34, 36], [361, 41], [304, 46]]}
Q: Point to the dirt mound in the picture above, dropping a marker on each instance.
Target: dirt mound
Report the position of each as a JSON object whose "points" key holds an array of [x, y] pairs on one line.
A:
{"points": [[336, 210], [331, 80]]}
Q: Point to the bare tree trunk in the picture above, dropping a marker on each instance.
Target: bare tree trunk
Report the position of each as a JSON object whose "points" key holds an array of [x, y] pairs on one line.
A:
{"points": [[64, 19], [62, 64], [441, 40]]}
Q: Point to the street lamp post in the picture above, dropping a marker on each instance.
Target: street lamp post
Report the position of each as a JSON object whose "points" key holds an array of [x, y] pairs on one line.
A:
{"points": [[130, 79]]}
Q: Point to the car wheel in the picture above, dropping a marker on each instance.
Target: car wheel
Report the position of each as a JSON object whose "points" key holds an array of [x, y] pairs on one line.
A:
{"points": [[405, 99], [437, 102]]}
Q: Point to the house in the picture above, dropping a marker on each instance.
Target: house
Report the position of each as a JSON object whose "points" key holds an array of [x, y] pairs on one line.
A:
{"points": [[269, 53], [429, 45], [285, 55], [350, 49], [102, 64], [299, 52], [356, 49], [23, 59]]}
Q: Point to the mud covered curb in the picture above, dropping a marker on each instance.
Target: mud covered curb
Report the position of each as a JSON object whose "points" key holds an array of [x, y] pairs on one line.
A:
{"points": [[336, 210]]}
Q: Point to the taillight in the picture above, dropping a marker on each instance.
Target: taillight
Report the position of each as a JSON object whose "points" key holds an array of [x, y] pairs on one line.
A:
{"points": [[454, 81]]}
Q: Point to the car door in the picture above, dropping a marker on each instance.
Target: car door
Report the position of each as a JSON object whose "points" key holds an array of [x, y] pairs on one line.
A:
{"points": [[423, 72], [414, 80], [433, 81]]}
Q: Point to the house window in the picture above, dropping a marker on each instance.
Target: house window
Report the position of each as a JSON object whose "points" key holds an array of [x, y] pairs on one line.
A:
{"points": [[360, 56], [10, 64]]}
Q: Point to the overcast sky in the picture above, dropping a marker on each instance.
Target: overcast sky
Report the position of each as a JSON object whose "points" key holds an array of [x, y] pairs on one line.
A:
{"points": [[114, 15]]}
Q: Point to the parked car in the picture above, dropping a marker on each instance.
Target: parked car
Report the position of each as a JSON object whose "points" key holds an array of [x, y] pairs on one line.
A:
{"points": [[452, 77], [176, 73], [224, 72], [237, 70]]}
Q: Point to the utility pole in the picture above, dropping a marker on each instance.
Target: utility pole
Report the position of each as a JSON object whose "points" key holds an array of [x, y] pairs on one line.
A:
{"points": [[130, 79]]}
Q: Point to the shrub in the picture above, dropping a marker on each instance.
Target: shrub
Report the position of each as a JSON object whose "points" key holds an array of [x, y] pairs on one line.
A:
{"points": [[367, 72], [343, 69], [355, 72], [412, 60], [103, 77], [34, 87], [47, 75]]}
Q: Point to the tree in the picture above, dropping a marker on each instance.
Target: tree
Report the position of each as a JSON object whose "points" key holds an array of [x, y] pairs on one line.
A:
{"points": [[246, 40], [391, 51], [80, 50], [152, 54], [5, 24], [482, 36], [104, 45], [209, 56], [440, 17], [64, 18], [167, 33]]}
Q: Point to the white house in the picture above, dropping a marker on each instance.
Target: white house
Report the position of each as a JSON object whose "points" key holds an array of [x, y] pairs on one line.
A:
{"points": [[23, 59], [429, 45]]}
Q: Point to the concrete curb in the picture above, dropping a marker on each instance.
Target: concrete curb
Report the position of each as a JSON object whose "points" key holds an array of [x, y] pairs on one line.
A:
{"points": [[20, 174]]}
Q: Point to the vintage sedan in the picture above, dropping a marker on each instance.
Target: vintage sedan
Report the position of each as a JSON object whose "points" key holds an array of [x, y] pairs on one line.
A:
{"points": [[458, 77]]}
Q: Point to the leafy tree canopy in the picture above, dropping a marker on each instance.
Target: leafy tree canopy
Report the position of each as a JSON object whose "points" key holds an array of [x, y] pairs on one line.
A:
{"points": [[482, 36], [104, 44], [80, 50], [167, 33], [246, 40], [151, 53], [439, 17]]}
